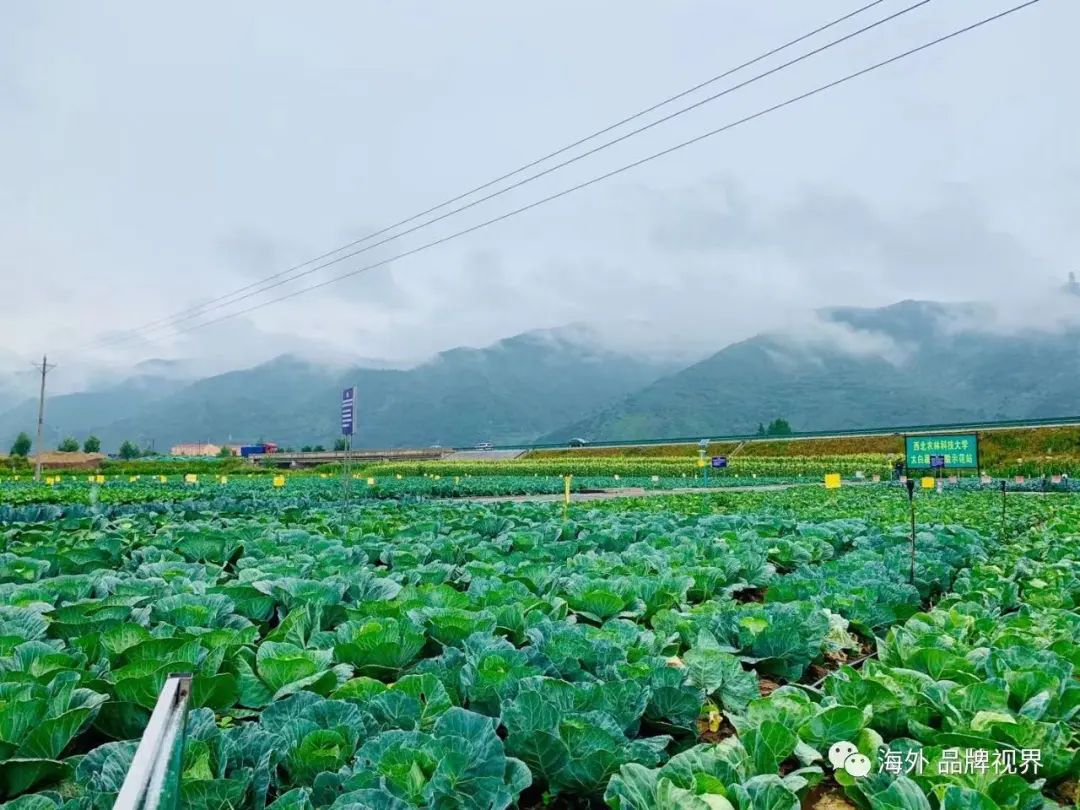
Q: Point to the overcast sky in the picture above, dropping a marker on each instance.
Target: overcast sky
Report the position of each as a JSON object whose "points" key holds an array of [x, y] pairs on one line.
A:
{"points": [[155, 156]]}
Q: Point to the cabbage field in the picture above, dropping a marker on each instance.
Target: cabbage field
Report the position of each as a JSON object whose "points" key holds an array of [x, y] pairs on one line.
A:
{"points": [[114, 494], [688, 651]]}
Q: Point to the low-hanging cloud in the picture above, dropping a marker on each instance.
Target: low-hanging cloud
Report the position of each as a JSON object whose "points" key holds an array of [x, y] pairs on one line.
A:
{"points": [[816, 335], [943, 179]]}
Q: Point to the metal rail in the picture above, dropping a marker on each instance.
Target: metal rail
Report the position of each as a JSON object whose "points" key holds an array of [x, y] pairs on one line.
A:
{"points": [[899, 430], [334, 456], [153, 779], [436, 453]]}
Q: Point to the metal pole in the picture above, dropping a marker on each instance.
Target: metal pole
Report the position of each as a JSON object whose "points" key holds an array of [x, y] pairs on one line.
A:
{"points": [[345, 471], [1001, 537], [911, 503], [348, 469]]}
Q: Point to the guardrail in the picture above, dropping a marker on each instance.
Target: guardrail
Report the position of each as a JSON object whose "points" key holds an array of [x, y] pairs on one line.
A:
{"points": [[433, 453], [333, 456], [153, 780], [900, 430]]}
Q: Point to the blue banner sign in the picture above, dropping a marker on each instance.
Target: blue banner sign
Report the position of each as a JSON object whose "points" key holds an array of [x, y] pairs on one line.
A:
{"points": [[348, 410], [719, 462]]}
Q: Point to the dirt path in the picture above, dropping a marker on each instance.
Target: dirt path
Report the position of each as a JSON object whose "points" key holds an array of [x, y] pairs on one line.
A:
{"points": [[628, 492]]}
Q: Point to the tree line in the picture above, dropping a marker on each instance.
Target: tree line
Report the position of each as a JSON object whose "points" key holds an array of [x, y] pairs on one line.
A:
{"points": [[777, 427], [22, 445]]}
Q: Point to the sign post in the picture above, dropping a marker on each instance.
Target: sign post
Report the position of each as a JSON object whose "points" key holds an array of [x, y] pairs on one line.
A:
{"points": [[911, 502], [1001, 535], [348, 421], [937, 463]]}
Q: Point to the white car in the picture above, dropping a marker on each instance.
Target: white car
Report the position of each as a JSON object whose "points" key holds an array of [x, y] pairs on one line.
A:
{"points": [[484, 446]]}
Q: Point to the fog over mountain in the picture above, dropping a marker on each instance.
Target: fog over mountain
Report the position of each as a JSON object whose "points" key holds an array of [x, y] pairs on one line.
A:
{"points": [[152, 182], [511, 391], [914, 362], [262, 141]]}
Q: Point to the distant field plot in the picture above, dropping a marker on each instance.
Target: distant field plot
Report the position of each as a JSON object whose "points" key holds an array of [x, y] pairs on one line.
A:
{"points": [[644, 467], [1009, 452], [856, 445]]}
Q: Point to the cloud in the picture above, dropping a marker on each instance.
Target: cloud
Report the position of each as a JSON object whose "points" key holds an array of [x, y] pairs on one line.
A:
{"points": [[1052, 311], [143, 176], [252, 253], [949, 246], [814, 335]]}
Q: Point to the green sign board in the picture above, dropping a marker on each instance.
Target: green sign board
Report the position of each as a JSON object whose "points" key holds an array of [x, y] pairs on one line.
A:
{"points": [[958, 451]]}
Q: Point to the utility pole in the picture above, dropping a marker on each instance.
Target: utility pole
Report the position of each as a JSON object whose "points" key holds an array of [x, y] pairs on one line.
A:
{"points": [[45, 369]]}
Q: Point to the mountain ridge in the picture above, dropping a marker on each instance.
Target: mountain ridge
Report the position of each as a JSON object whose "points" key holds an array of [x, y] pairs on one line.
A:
{"points": [[912, 362], [509, 391], [924, 365]]}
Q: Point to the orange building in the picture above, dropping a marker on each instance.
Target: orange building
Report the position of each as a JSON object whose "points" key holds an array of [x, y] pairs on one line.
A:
{"points": [[195, 450]]}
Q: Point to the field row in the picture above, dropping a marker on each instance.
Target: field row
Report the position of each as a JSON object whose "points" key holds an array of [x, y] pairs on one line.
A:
{"points": [[1027, 451], [80, 496], [644, 467]]}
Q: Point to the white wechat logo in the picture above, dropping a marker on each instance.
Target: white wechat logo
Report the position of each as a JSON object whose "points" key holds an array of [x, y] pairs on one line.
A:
{"points": [[845, 756]]}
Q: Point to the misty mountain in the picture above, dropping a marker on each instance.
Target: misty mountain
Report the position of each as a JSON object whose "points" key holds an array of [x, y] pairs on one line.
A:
{"points": [[509, 392], [9, 396], [910, 363], [81, 414], [17, 380]]}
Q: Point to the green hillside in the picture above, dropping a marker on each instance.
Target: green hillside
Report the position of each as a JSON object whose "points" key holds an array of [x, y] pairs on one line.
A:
{"points": [[935, 374], [509, 392]]}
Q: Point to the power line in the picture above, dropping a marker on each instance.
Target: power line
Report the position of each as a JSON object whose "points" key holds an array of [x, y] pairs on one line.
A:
{"points": [[202, 309], [269, 286], [600, 178]]}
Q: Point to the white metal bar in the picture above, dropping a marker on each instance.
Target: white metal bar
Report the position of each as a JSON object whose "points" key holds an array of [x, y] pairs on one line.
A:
{"points": [[155, 746]]}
